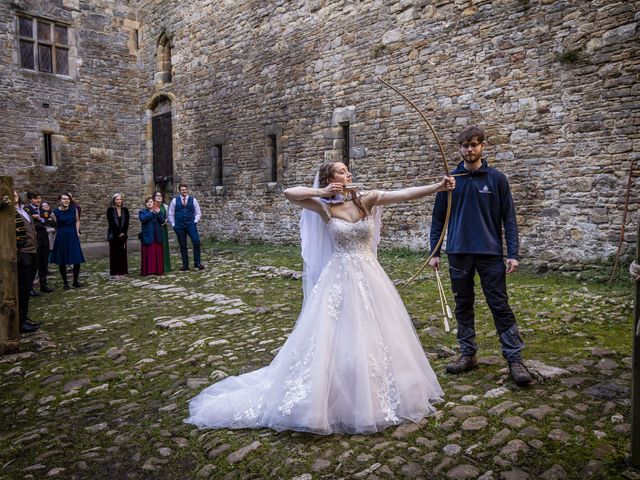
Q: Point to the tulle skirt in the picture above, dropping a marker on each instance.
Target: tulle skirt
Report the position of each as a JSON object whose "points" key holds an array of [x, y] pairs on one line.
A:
{"points": [[352, 364]]}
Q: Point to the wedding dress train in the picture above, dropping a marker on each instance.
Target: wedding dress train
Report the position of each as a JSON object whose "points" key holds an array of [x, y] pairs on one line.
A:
{"points": [[352, 364]]}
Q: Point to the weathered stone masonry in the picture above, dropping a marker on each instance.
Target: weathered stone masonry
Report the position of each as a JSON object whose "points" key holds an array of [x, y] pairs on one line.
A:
{"points": [[554, 82], [94, 116]]}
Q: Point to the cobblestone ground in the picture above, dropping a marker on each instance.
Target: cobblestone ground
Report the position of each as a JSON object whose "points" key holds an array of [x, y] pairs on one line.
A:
{"points": [[102, 391]]}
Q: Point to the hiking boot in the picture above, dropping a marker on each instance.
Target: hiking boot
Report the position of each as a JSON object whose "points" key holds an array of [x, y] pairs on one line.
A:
{"points": [[519, 373], [463, 364]]}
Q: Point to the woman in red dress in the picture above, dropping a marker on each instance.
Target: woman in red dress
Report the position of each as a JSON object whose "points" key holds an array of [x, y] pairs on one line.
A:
{"points": [[152, 259]]}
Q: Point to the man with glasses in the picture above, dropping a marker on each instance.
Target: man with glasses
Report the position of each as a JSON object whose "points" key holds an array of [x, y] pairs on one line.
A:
{"points": [[481, 209], [184, 215]]}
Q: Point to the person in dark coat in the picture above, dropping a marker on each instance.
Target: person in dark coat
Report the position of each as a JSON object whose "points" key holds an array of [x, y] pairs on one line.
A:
{"points": [[118, 220], [66, 247], [41, 221], [27, 262], [152, 260]]}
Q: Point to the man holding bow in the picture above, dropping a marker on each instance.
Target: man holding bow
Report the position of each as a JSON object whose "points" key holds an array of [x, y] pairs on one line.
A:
{"points": [[482, 211]]}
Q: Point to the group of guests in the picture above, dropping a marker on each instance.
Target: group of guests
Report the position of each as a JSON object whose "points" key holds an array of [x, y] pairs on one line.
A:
{"points": [[183, 214], [35, 221], [45, 236]]}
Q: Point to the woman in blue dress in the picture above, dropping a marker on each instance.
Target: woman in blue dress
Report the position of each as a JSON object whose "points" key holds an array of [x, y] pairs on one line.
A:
{"points": [[66, 248]]}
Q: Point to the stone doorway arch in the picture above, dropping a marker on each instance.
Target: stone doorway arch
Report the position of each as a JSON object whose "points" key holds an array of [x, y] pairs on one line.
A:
{"points": [[160, 118]]}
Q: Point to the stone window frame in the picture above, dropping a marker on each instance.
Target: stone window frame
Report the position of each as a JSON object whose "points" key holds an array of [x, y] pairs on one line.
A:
{"points": [[346, 142], [134, 42], [57, 147], [343, 123], [273, 161], [164, 65], [219, 168], [218, 165], [52, 43], [47, 150], [272, 157]]}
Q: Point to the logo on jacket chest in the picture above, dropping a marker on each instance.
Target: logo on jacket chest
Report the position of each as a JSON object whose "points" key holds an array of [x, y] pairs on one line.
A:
{"points": [[484, 189]]}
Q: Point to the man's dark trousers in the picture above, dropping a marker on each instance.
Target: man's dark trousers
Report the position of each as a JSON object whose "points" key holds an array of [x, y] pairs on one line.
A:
{"points": [[191, 231], [492, 272], [42, 265], [27, 264]]}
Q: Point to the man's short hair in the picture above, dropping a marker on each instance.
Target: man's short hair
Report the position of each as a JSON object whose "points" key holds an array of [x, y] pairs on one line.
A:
{"points": [[183, 185], [469, 133], [32, 195]]}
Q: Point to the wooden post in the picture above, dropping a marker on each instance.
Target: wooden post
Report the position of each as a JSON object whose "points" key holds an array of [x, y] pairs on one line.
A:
{"points": [[9, 328], [635, 373]]}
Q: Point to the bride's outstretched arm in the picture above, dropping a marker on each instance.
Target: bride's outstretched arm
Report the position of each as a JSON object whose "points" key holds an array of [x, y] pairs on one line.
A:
{"points": [[306, 197], [414, 193]]}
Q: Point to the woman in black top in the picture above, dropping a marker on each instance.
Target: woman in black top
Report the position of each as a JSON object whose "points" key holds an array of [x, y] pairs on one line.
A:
{"points": [[118, 218]]}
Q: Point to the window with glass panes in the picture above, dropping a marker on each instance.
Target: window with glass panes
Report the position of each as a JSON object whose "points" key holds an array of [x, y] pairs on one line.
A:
{"points": [[44, 45]]}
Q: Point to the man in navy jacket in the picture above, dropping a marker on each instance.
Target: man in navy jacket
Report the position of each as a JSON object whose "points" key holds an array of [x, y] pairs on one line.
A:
{"points": [[481, 208]]}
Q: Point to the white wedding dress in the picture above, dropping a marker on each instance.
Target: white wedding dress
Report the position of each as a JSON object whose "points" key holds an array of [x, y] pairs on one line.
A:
{"points": [[352, 364]]}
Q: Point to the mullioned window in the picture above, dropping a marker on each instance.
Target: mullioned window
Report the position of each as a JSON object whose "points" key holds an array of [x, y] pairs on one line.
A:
{"points": [[43, 45]]}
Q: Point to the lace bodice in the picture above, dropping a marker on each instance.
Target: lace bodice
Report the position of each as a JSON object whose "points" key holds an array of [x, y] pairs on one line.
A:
{"points": [[350, 237]]}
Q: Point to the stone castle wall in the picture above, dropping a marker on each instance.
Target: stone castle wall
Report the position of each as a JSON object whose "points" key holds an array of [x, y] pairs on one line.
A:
{"points": [[92, 113], [555, 83]]}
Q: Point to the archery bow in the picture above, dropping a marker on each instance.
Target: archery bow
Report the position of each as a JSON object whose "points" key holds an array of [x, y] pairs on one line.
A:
{"points": [[446, 169]]}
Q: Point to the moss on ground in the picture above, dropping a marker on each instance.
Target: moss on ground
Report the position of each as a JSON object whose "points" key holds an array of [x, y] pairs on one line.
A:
{"points": [[143, 398]]}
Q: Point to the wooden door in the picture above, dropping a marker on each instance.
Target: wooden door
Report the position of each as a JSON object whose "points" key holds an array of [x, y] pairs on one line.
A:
{"points": [[162, 149]]}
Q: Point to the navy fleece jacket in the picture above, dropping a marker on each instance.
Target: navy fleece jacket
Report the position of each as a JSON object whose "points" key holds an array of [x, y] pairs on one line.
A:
{"points": [[481, 207]]}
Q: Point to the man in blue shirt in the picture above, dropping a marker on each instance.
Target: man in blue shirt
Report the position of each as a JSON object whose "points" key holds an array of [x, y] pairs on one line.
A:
{"points": [[481, 208]]}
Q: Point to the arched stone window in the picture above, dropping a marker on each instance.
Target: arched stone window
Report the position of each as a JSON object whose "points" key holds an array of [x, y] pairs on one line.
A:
{"points": [[163, 60]]}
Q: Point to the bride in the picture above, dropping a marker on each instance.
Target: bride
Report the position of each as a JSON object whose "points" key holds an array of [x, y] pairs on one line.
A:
{"points": [[353, 363]]}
